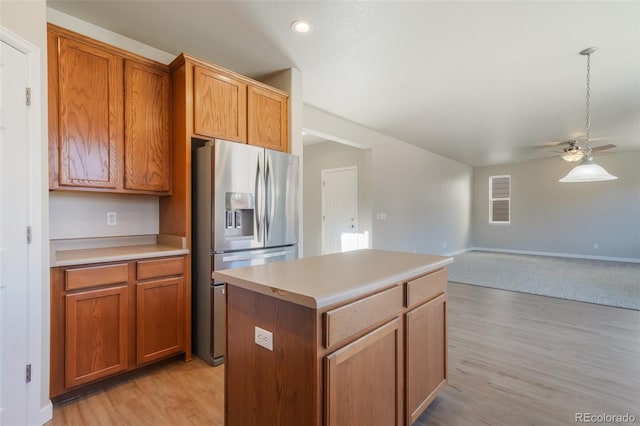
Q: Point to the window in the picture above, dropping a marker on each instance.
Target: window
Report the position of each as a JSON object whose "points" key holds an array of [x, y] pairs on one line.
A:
{"points": [[500, 199]]}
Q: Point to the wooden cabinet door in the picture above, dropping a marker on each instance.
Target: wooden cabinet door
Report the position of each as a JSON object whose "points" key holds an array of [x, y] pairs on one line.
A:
{"points": [[220, 105], [363, 380], [146, 134], [160, 318], [95, 334], [426, 355], [267, 119], [90, 115]]}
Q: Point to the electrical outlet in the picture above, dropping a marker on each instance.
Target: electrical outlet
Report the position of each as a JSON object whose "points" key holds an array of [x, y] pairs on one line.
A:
{"points": [[444, 245], [112, 218], [264, 338], [595, 246]]}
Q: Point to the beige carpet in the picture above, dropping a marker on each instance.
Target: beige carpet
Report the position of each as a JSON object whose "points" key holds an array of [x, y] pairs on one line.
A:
{"points": [[594, 281]]}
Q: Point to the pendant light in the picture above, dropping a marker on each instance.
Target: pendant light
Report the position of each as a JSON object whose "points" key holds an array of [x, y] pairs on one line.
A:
{"points": [[588, 170]]}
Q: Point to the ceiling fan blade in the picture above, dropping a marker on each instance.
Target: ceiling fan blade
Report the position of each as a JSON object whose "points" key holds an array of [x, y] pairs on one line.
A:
{"points": [[551, 144], [603, 147]]}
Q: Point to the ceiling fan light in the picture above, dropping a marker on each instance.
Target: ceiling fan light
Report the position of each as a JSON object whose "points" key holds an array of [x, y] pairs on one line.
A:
{"points": [[587, 171], [573, 156]]}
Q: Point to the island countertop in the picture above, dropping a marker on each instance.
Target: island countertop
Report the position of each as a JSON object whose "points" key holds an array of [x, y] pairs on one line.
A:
{"points": [[320, 281]]}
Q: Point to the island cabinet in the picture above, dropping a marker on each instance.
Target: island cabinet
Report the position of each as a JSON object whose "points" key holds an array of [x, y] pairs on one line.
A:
{"points": [[426, 341], [114, 317], [341, 340], [109, 117], [352, 394]]}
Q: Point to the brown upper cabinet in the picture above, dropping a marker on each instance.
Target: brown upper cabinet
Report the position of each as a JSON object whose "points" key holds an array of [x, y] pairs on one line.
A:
{"points": [[230, 106], [220, 105], [146, 137], [109, 117], [267, 119]]}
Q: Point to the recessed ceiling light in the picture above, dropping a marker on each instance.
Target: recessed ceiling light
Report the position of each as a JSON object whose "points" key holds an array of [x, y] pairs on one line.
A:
{"points": [[301, 26]]}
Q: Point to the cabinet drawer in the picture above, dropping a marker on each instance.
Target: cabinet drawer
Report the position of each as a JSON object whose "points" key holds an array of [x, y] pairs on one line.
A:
{"points": [[346, 321], [146, 269], [95, 276], [426, 287]]}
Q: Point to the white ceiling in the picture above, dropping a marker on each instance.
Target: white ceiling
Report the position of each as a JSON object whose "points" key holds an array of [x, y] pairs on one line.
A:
{"points": [[476, 81]]}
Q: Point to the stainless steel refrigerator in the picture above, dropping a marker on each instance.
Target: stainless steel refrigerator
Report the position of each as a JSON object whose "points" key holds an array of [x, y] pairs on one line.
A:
{"points": [[245, 213]]}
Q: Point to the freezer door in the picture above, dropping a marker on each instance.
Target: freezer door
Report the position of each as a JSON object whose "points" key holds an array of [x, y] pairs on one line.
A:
{"points": [[281, 198], [253, 257], [238, 196]]}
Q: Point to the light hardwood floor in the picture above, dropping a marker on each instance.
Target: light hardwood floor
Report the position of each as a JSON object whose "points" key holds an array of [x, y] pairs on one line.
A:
{"points": [[514, 359]]}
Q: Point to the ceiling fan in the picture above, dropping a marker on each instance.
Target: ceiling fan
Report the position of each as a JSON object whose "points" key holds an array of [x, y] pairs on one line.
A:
{"points": [[574, 152]]}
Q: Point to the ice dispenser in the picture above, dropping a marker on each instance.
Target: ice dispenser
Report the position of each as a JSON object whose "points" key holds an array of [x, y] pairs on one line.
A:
{"points": [[239, 211]]}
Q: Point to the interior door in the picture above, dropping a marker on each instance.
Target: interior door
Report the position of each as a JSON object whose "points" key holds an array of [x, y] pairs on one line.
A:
{"points": [[340, 210], [14, 256]]}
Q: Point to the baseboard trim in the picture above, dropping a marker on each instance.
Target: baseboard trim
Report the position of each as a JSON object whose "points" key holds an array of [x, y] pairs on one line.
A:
{"points": [[457, 252], [552, 254], [46, 413]]}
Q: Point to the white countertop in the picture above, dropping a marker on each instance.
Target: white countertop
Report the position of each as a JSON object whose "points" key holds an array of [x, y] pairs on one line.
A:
{"points": [[321, 281], [112, 249]]}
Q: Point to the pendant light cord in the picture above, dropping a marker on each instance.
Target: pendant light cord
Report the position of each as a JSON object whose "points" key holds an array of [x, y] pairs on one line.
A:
{"points": [[588, 118]]}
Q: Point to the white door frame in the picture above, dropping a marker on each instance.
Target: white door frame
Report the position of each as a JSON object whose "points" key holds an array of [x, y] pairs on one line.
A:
{"points": [[38, 281], [322, 201]]}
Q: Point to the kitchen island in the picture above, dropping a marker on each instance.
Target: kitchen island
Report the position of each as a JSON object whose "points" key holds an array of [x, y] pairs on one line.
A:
{"points": [[342, 339]]}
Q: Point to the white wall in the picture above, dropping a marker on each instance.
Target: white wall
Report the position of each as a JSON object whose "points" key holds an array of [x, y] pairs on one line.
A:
{"points": [[84, 214], [90, 30], [564, 218], [425, 197], [27, 19], [329, 155]]}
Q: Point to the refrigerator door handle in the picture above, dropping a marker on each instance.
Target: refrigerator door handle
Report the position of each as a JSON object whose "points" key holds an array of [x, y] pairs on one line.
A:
{"points": [[259, 213], [270, 197]]}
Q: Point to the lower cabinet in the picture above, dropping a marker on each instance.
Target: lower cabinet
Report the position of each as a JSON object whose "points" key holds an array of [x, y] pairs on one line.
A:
{"points": [[113, 317], [96, 334], [160, 318], [426, 355], [378, 360], [363, 380]]}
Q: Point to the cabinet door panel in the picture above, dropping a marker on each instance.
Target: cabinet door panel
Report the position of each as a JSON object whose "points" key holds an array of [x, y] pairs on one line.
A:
{"points": [[90, 115], [160, 314], [363, 383], [146, 110], [220, 106], [95, 334], [267, 119], [426, 354]]}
